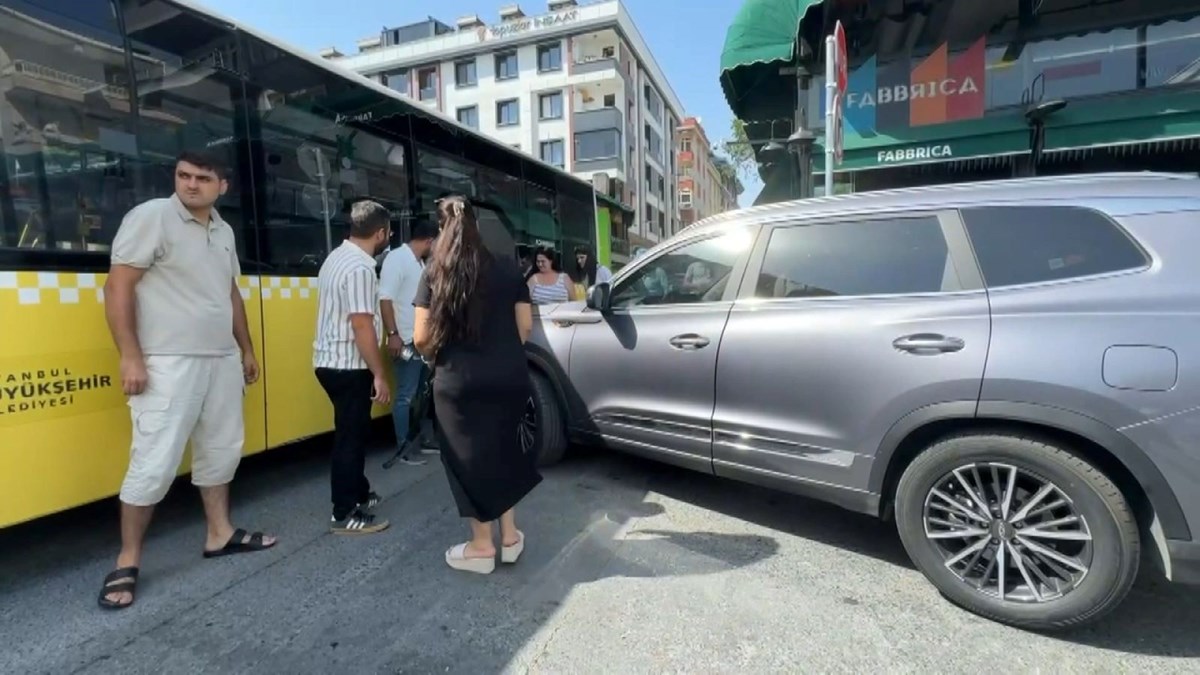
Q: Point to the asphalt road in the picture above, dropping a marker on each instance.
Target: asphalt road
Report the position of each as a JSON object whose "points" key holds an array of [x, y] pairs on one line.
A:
{"points": [[630, 567]]}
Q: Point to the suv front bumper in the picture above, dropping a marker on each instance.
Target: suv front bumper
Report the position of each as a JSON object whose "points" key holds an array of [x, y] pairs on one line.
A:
{"points": [[1185, 561]]}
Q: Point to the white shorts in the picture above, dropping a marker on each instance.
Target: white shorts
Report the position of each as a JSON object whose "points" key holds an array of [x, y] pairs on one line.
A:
{"points": [[186, 397]]}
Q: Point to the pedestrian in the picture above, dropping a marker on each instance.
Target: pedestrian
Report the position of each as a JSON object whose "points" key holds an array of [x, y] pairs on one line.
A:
{"points": [[472, 319], [548, 285], [397, 289], [179, 323], [348, 363], [588, 271]]}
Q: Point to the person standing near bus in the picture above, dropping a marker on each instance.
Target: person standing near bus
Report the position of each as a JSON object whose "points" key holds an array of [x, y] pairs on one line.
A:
{"points": [[348, 362], [397, 287], [178, 320]]}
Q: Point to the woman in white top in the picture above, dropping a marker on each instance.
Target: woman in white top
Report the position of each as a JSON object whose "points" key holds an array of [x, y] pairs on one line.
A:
{"points": [[548, 286]]}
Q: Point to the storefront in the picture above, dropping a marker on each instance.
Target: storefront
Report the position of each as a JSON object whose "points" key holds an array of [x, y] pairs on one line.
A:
{"points": [[939, 92]]}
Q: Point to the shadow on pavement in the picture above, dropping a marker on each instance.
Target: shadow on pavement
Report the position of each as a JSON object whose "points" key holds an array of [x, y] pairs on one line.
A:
{"points": [[1157, 618], [323, 603]]}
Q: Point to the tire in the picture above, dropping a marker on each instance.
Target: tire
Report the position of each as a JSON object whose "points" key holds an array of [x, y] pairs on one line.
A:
{"points": [[1111, 557], [549, 437]]}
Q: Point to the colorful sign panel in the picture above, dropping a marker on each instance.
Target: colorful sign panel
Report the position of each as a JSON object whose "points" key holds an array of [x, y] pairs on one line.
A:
{"points": [[939, 89]]}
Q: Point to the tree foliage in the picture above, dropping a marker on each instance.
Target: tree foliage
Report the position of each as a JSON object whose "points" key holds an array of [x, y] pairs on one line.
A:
{"points": [[737, 153]]}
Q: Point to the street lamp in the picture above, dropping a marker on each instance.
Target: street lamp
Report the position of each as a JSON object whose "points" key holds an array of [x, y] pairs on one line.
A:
{"points": [[1035, 117], [800, 143]]}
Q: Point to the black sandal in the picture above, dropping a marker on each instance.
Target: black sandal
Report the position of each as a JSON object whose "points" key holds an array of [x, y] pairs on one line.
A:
{"points": [[237, 545], [119, 581]]}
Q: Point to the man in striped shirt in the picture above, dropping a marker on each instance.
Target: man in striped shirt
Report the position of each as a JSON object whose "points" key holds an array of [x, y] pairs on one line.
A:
{"points": [[349, 363]]}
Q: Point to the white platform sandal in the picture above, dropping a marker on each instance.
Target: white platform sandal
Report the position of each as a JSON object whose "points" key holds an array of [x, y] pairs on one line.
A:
{"points": [[509, 554], [456, 558]]}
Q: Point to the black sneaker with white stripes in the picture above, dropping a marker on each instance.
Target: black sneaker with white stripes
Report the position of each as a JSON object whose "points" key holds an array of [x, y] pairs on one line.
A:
{"points": [[358, 521], [371, 502]]}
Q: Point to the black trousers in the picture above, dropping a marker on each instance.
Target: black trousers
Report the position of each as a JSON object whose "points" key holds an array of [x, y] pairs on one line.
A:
{"points": [[350, 393]]}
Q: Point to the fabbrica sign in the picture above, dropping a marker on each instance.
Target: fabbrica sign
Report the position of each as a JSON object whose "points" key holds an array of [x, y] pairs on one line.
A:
{"points": [[918, 154], [510, 28], [896, 95]]}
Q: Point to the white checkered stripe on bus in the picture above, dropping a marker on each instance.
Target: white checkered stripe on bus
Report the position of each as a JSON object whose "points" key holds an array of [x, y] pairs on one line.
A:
{"points": [[61, 288], [288, 288], [72, 288]]}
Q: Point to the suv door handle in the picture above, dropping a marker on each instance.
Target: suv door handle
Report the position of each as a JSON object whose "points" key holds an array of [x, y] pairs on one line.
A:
{"points": [[689, 341], [927, 343]]}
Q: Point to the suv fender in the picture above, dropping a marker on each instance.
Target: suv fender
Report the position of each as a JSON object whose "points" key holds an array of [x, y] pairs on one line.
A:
{"points": [[1168, 514]]}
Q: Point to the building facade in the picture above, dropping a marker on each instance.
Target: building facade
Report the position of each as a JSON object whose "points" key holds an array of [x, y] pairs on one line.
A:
{"points": [[959, 91], [576, 87], [703, 189]]}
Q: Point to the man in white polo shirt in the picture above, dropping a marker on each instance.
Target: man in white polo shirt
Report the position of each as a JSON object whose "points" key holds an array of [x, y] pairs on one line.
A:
{"points": [[397, 288], [177, 318], [349, 363]]}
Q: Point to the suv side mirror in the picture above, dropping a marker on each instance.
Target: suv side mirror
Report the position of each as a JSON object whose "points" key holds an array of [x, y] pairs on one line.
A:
{"points": [[599, 296]]}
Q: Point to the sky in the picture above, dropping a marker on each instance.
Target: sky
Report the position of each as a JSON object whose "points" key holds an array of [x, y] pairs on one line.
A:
{"points": [[685, 37]]}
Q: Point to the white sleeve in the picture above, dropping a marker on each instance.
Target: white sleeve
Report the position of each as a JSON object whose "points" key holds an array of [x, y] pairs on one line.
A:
{"points": [[603, 274], [390, 277]]}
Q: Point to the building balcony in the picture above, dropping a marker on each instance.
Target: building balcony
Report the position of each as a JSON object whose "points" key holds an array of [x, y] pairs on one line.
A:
{"points": [[620, 245], [72, 86], [599, 118], [686, 157], [604, 66]]}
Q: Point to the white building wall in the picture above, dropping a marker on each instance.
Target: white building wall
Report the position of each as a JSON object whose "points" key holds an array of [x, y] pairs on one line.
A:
{"points": [[483, 45]]}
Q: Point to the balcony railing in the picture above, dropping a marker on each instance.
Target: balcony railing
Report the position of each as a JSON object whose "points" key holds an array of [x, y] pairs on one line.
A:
{"points": [[620, 245], [47, 74], [594, 64]]}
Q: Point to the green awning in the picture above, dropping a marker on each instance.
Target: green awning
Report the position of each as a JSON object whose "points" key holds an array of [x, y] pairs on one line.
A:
{"points": [[604, 200], [761, 38]]}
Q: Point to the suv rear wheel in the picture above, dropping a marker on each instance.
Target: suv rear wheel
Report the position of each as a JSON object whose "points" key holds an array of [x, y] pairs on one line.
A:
{"points": [[1018, 530], [542, 431]]}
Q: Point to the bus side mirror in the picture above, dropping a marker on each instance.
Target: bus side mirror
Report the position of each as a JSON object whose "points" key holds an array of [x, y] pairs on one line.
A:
{"points": [[599, 296]]}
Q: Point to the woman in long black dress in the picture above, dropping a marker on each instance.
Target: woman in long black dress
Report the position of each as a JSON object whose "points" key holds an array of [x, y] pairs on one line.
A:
{"points": [[472, 318]]}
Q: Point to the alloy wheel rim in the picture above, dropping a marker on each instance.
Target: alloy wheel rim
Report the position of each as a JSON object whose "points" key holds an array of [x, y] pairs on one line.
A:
{"points": [[527, 430], [1008, 532]]}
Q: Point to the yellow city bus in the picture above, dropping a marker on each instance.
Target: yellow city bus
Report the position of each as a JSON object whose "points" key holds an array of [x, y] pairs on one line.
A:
{"points": [[97, 97]]}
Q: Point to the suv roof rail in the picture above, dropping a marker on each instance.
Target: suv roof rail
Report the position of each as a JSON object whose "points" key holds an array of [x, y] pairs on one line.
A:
{"points": [[943, 188]]}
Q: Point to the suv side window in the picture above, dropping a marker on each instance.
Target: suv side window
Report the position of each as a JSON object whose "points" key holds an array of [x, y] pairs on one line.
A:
{"points": [[692, 273], [1029, 244], [884, 256]]}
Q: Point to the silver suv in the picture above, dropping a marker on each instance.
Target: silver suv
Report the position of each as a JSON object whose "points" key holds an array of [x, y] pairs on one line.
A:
{"points": [[1010, 370]]}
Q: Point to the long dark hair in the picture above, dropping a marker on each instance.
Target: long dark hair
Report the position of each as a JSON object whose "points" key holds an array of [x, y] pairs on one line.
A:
{"points": [[585, 275], [457, 270]]}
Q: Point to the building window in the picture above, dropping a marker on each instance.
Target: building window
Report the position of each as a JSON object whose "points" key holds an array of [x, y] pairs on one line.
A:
{"points": [[550, 106], [464, 74], [552, 153], [427, 82], [653, 102], [397, 81], [686, 145], [653, 143], [469, 116], [600, 144], [608, 52], [685, 199], [610, 100], [549, 57], [508, 113], [506, 66]]}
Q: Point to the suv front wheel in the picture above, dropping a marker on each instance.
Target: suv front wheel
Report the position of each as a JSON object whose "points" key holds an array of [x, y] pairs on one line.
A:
{"points": [[1018, 530], [542, 431]]}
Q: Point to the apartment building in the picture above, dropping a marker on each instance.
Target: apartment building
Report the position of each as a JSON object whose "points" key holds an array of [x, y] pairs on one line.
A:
{"points": [[576, 87], [703, 189]]}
